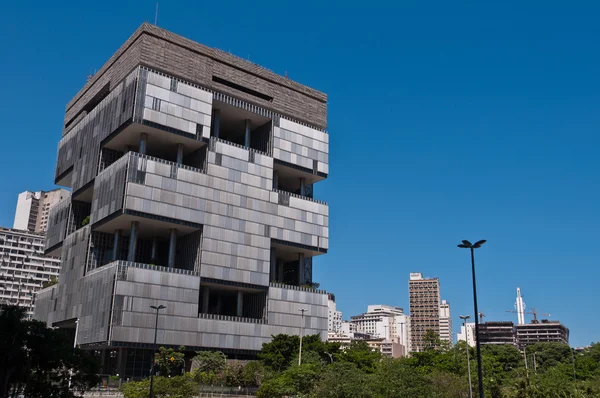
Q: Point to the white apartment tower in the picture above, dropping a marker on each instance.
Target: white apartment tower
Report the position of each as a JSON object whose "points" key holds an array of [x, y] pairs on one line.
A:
{"points": [[33, 209], [334, 323], [383, 321], [23, 267], [445, 322], [467, 334]]}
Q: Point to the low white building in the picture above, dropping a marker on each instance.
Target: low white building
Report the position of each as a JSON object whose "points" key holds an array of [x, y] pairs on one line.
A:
{"points": [[467, 334], [383, 321]]}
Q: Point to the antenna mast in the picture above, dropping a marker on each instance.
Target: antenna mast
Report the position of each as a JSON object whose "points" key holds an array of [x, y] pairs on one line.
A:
{"points": [[520, 307], [156, 15]]}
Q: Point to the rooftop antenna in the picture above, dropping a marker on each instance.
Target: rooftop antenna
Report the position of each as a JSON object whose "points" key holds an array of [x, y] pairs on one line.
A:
{"points": [[156, 15]]}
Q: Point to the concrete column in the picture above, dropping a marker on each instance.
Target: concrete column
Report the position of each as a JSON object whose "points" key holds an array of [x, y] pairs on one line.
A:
{"points": [[280, 272], [172, 247], [247, 134], [143, 143], [301, 277], [205, 298], [275, 180], [273, 269], [115, 255], [240, 303], [303, 186], [133, 241], [216, 122], [153, 253], [179, 154]]}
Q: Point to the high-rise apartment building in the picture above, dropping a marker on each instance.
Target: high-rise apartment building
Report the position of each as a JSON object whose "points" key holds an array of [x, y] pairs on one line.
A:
{"points": [[424, 298], [196, 169], [383, 321], [23, 267], [467, 334], [33, 209], [334, 323], [445, 322]]}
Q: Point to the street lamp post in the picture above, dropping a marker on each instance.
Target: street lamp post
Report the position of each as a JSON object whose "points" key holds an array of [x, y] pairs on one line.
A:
{"points": [[302, 310], [468, 245], [464, 318], [157, 308]]}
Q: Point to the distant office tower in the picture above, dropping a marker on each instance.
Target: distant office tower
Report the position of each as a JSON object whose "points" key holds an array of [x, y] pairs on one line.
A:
{"points": [[544, 331], [424, 295], [33, 209], [334, 323], [445, 322], [383, 321], [196, 169], [467, 334], [23, 267], [520, 307]]}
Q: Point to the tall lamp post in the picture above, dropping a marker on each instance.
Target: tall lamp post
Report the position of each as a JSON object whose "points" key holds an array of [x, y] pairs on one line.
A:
{"points": [[302, 310], [157, 308], [472, 246], [464, 318]]}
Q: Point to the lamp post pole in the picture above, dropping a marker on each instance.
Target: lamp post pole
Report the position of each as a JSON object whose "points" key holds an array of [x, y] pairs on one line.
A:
{"points": [[157, 308], [468, 245], [464, 318], [302, 310]]}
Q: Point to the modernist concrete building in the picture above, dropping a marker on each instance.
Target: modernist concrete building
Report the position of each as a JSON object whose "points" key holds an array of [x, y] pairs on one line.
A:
{"points": [[498, 333], [196, 169], [424, 296], [385, 322], [467, 334], [334, 323], [23, 267], [544, 331], [33, 209]]}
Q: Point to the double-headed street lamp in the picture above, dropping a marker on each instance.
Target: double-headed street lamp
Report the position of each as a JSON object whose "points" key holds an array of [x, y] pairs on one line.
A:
{"points": [[464, 318], [157, 308], [468, 245]]}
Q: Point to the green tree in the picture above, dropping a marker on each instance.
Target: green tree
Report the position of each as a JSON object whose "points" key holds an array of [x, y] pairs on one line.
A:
{"points": [[277, 354], [360, 354], [171, 387], [431, 340], [343, 380], [170, 362], [40, 362], [209, 361], [294, 381], [51, 282], [397, 378]]}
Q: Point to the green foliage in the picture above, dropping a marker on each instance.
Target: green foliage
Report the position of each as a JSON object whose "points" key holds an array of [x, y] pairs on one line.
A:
{"points": [[85, 221], [51, 282], [172, 387], [360, 354], [294, 381], [431, 340], [343, 379], [39, 362], [169, 361], [209, 361]]}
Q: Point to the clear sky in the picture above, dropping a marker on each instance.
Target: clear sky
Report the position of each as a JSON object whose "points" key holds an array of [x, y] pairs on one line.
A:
{"points": [[447, 121]]}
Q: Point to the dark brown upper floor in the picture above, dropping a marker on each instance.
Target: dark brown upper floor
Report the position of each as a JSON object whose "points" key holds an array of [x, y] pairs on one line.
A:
{"points": [[208, 67]]}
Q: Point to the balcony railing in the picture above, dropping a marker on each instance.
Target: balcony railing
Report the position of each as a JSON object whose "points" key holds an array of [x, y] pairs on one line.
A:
{"points": [[168, 162], [300, 196], [123, 265], [216, 139], [300, 288], [230, 318]]}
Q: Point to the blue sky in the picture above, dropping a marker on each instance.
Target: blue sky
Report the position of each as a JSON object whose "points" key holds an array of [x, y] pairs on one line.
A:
{"points": [[447, 121]]}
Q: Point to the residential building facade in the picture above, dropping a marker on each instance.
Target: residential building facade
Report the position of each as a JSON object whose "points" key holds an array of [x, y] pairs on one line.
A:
{"points": [[33, 209], [424, 298], [445, 322], [196, 170], [383, 321], [23, 267], [334, 323], [467, 334]]}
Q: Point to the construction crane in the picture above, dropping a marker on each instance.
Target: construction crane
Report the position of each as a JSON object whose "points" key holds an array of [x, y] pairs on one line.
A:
{"points": [[532, 312]]}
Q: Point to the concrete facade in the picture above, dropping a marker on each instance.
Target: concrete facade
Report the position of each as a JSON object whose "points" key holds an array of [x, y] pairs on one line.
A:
{"points": [[467, 334], [196, 170], [445, 322], [334, 322], [383, 321], [24, 268], [543, 331]]}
